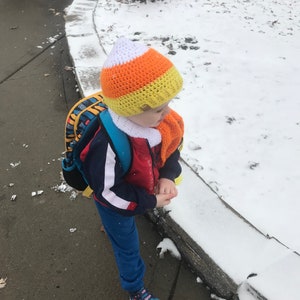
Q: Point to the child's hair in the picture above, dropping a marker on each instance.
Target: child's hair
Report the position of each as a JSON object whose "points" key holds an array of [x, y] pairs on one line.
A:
{"points": [[136, 78]]}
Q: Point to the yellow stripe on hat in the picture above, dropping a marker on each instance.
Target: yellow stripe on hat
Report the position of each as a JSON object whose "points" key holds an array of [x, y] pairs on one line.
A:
{"points": [[154, 94]]}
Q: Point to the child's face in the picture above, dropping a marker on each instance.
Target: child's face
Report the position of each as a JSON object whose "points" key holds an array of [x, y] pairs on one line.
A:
{"points": [[151, 117]]}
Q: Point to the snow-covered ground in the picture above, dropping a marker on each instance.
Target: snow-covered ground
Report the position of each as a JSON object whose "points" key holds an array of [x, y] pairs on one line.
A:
{"points": [[241, 66]]}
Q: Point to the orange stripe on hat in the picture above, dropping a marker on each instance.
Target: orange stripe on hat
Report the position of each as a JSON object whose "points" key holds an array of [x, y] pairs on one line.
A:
{"points": [[134, 74]]}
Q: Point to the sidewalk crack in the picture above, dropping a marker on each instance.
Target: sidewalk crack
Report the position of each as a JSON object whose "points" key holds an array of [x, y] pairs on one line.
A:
{"points": [[32, 59], [174, 285], [95, 27]]}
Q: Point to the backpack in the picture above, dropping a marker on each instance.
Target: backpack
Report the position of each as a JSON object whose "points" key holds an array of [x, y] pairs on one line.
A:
{"points": [[83, 121]]}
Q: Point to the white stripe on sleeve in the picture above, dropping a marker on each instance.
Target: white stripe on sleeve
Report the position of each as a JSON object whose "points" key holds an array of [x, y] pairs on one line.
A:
{"points": [[109, 179]]}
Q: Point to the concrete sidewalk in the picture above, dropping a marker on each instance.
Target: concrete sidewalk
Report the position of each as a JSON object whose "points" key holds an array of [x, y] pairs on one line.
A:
{"points": [[51, 247]]}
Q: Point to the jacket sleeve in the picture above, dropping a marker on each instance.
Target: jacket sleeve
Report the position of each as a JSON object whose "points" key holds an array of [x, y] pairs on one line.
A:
{"points": [[104, 173], [172, 168]]}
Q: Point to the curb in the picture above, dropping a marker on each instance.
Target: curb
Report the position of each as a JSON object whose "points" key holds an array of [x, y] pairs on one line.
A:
{"points": [[197, 259]]}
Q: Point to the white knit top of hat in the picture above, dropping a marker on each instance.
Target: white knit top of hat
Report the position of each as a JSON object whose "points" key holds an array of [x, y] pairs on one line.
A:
{"points": [[124, 51], [134, 130]]}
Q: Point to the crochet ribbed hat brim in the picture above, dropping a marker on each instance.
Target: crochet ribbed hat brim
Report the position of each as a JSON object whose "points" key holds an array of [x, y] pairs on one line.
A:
{"points": [[135, 78]]}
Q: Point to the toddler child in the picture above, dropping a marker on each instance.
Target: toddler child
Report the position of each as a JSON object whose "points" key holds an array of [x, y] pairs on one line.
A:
{"points": [[138, 84]]}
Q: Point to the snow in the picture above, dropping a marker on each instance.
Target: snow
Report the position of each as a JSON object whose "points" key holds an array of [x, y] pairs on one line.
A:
{"points": [[3, 282], [241, 67], [245, 293], [37, 193], [213, 296], [278, 273], [167, 245], [63, 187], [15, 164]]}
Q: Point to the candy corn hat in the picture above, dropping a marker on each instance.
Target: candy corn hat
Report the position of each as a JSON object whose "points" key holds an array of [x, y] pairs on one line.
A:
{"points": [[136, 78]]}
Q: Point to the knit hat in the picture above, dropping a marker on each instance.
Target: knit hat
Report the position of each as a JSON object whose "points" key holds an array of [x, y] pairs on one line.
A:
{"points": [[136, 78]]}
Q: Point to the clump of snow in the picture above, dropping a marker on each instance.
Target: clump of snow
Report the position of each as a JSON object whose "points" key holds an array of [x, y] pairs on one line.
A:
{"points": [[199, 280], [53, 39], [3, 282], [167, 245], [37, 193], [73, 195], [15, 164], [63, 187], [213, 296], [13, 197]]}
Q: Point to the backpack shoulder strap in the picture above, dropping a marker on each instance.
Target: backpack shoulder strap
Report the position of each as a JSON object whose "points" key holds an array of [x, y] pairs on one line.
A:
{"points": [[118, 138]]}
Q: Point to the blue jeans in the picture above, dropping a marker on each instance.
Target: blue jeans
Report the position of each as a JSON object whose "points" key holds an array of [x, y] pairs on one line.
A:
{"points": [[124, 238]]}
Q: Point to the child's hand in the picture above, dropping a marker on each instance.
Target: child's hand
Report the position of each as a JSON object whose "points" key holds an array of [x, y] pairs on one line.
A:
{"points": [[166, 186], [166, 190], [163, 199]]}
